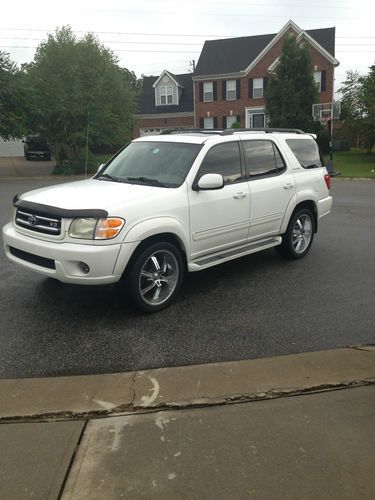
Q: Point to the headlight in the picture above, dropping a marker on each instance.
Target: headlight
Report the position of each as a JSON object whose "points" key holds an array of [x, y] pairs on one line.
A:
{"points": [[96, 229]]}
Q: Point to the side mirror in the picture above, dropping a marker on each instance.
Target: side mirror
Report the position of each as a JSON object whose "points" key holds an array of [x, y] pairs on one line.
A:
{"points": [[211, 181], [100, 168]]}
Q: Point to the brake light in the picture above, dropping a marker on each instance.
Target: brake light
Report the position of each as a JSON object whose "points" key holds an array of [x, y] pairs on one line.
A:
{"points": [[327, 179]]}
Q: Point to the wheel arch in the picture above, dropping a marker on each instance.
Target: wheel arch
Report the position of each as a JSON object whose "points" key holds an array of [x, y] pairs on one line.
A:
{"points": [[167, 236], [296, 204]]}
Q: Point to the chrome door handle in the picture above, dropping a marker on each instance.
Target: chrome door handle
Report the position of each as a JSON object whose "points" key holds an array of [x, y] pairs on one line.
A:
{"points": [[237, 196], [289, 185]]}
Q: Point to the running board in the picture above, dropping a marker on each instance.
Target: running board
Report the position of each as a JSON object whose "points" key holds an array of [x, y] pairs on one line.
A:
{"points": [[233, 253]]}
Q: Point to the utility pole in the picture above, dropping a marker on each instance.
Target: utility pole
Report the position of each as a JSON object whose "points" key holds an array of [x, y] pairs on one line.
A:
{"points": [[87, 141]]}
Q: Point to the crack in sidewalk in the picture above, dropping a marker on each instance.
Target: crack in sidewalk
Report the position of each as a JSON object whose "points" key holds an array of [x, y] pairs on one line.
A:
{"points": [[203, 401]]}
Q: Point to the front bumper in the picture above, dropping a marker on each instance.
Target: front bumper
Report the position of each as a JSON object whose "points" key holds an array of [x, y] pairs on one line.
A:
{"points": [[106, 262]]}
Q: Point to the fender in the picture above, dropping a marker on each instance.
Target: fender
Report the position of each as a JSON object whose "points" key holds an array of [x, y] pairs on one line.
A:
{"points": [[157, 225], [145, 229], [299, 197]]}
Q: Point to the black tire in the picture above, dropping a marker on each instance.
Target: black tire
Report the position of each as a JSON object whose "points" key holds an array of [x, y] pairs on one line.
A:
{"points": [[155, 277], [298, 238]]}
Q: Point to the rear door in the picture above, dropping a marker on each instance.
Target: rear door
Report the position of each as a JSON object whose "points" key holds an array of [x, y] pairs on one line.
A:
{"points": [[271, 185]]}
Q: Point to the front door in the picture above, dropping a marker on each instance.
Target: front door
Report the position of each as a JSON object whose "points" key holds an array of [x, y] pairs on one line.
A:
{"points": [[220, 218], [255, 117]]}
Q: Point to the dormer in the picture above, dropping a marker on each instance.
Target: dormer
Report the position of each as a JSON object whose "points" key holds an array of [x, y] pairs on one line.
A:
{"points": [[167, 90]]}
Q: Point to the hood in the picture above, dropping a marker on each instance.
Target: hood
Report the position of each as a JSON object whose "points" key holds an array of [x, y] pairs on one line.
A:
{"points": [[91, 194]]}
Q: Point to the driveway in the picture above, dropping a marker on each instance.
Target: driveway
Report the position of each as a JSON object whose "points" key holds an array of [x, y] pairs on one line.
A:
{"points": [[18, 166]]}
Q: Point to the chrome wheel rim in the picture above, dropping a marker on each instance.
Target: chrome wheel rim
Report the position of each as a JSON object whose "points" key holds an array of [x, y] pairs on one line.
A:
{"points": [[302, 233], [158, 277]]}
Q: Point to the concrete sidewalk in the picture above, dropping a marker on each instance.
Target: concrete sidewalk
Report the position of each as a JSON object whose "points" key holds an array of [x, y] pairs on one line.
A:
{"points": [[297, 426]]}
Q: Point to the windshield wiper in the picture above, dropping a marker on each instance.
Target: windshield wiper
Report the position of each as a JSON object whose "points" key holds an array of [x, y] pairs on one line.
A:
{"points": [[109, 177], [148, 180]]}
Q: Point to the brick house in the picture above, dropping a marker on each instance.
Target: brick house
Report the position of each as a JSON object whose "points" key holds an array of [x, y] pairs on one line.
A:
{"points": [[229, 82], [232, 74], [166, 101]]}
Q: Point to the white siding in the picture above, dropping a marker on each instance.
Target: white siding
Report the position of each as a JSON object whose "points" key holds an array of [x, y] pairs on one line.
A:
{"points": [[166, 81]]}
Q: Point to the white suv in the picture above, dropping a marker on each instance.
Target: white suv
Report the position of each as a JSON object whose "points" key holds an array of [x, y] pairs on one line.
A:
{"points": [[174, 202]]}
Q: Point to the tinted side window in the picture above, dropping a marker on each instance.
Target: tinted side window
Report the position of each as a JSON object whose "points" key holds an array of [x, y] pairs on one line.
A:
{"points": [[306, 152], [223, 159], [260, 158]]}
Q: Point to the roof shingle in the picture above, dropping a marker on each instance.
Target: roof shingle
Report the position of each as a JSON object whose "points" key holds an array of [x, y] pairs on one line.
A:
{"points": [[146, 100], [232, 55]]}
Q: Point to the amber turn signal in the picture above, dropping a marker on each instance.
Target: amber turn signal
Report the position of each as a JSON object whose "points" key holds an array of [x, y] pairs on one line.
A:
{"points": [[108, 228]]}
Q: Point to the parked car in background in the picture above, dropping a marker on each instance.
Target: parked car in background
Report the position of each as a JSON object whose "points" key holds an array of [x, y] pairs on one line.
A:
{"points": [[36, 148]]}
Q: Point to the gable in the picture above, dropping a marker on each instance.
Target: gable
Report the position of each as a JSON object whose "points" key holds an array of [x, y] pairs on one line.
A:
{"points": [[146, 100], [238, 55]]}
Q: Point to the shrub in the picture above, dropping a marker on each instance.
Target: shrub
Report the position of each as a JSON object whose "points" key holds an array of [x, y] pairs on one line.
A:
{"points": [[79, 162], [323, 139]]}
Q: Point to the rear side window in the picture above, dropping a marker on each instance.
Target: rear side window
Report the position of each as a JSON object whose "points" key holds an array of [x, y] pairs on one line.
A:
{"points": [[262, 159], [306, 151], [223, 159]]}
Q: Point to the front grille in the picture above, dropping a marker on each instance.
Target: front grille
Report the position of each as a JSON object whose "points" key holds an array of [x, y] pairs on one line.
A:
{"points": [[38, 222], [34, 259]]}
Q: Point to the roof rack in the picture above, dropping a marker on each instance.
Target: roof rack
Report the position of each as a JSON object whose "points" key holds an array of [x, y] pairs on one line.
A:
{"points": [[230, 131], [207, 131]]}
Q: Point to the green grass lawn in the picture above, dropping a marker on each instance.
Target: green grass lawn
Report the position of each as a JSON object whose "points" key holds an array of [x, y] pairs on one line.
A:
{"points": [[353, 163]]}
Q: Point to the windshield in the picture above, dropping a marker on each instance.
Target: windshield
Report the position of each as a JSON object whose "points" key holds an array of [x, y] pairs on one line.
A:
{"points": [[153, 163]]}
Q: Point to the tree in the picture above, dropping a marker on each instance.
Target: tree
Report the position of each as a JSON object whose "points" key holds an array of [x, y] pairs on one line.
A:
{"points": [[14, 101], [75, 83], [291, 90], [358, 106], [368, 100]]}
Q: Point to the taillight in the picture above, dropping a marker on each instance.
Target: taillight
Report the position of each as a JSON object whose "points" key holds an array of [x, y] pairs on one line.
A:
{"points": [[327, 179]]}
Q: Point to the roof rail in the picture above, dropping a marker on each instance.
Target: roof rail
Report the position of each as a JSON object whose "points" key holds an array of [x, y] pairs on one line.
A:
{"points": [[207, 131], [231, 131]]}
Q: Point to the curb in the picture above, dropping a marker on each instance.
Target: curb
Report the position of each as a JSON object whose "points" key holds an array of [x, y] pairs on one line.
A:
{"points": [[94, 396]]}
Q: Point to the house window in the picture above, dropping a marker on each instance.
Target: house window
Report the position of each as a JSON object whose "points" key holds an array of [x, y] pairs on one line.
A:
{"points": [[318, 80], [231, 120], [257, 88], [166, 94], [231, 90], [208, 122], [208, 91]]}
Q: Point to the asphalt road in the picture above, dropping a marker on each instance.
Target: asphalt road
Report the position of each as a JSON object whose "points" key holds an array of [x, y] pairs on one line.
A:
{"points": [[257, 306]]}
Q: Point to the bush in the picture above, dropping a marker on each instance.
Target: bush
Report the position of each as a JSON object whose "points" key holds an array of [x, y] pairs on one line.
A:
{"points": [[79, 162], [323, 139], [77, 165]]}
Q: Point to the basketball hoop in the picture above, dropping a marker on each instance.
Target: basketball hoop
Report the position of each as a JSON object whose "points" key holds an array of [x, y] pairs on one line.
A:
{"points": [[324, 112]]}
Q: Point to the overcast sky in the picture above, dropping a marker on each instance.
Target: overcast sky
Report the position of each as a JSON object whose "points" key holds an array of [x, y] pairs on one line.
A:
{"points": [[151, 35]]}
